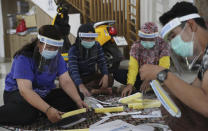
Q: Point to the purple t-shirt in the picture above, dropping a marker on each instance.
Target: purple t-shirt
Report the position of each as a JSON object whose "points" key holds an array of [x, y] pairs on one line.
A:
{"points": [[24, 68]]}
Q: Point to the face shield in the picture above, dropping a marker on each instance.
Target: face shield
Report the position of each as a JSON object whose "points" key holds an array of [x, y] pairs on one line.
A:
{"points": [[88, 39], [185, 49], [148, 40], [48, 51]]}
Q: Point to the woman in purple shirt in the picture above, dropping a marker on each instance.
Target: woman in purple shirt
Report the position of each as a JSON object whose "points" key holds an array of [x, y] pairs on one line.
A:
{"points": [[30, 88]]}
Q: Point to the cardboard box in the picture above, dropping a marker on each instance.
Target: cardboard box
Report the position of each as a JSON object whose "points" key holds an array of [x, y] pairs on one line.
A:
{"points": [[30, 21], [16, 42]]}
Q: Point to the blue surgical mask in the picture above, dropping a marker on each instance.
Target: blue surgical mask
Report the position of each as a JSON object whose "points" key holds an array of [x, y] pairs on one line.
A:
{"points": [[87, 44], [148, 44], [49, 54], [182, 48]]}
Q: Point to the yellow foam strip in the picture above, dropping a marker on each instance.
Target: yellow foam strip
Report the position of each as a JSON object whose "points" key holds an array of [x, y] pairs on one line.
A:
{"points": [[140, 101], [129, 98], [168, 101], [72, 113], [135, 104], [109, 109], [152, 104]]}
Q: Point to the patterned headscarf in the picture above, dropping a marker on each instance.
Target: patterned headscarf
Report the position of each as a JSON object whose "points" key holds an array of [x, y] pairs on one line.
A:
{"points": [[148, 30]]}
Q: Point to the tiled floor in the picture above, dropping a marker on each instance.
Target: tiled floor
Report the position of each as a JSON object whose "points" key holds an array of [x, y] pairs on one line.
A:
{"points": [[4, 69]]}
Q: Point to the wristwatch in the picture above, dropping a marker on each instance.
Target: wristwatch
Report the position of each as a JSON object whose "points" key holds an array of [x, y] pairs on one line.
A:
{"points": [[162, 75]]}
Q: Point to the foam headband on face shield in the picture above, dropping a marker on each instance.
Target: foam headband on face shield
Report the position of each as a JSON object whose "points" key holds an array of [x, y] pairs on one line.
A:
{"points": [[88, 35], [176, 22], [144, 35], [50, 41]]}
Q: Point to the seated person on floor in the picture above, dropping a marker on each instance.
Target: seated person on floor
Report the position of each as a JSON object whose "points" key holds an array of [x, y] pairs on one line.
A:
{"points": [[29, 87], [187, 34], [149, 49], [83, 57]]}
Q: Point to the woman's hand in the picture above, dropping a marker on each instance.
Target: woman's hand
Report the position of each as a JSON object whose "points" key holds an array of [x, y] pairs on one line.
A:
{"points": [[127, 90], [104, 82], [145, 86], [53, 114], [81, 104], [84, 90]]}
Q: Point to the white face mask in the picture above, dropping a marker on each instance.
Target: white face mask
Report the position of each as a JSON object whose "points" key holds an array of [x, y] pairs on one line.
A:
{"points": [[49, 54], [148, 44], [187, 47], [182, 48], [87, 44]]}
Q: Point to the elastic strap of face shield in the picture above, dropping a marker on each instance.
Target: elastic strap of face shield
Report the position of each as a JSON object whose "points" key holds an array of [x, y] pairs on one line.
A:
{"points": [[144, 35], [176, 22], [88, 35], [49, 41]]}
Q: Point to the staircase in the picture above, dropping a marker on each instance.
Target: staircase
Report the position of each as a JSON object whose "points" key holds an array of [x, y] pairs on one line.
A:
{"points": [[49, 7], [126, 13]]}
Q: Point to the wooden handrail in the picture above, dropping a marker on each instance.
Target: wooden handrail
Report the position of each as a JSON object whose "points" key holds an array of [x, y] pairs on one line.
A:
{"points": [[133, 6], [133, 33], [118, 10]]}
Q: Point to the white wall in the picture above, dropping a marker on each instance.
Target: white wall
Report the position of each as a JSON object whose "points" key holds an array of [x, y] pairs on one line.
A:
{"points": [[151, 10], [2, 50], [50, 7], [44, 5]]}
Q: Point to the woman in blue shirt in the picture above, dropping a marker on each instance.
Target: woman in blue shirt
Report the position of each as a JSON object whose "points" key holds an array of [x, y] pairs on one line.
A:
{"points": [[30, 88]]}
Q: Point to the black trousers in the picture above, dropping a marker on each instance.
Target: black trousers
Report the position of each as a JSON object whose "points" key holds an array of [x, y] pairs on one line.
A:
{"points": [[17, 111], [92, 81], [121, 76]]}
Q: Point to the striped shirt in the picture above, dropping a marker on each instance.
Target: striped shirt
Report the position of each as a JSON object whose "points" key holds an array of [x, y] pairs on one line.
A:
{"points": [[79, 67]]}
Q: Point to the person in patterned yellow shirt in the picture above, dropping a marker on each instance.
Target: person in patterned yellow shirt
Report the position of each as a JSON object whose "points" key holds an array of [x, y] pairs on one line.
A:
{"points": [[149, 49]]}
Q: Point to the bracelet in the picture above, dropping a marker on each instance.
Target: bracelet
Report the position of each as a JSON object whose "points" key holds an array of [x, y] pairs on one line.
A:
{"points": [[47, 109]]}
